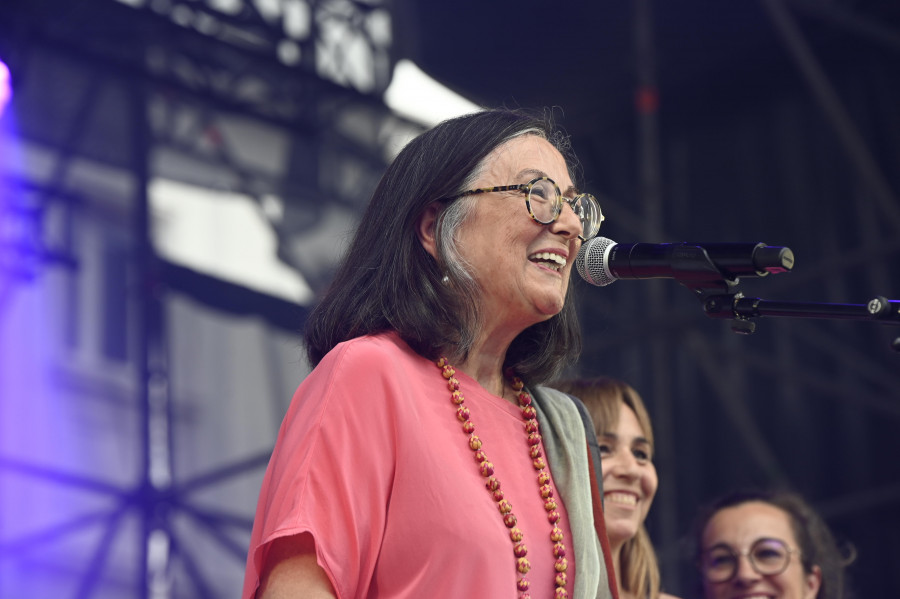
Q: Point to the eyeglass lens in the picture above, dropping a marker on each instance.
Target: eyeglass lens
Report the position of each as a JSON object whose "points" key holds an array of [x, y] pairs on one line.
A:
{"points": [[767, 556], [546, 204]]}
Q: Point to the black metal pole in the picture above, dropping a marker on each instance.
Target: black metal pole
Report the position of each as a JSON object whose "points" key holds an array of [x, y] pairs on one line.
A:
{"points": [[735, 306]]}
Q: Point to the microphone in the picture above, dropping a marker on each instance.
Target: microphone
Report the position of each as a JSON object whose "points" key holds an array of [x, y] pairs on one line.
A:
{"points": [[601, 261]]}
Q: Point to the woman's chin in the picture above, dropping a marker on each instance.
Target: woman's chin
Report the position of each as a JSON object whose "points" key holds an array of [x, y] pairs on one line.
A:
{"points": [[550, 306], [619, 533]]}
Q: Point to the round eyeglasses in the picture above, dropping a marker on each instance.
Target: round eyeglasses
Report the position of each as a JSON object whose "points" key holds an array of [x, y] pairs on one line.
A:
{"points": [[545, 202], [768, 557]]}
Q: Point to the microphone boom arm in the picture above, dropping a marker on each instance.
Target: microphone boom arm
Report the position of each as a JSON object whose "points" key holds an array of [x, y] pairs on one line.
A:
{"points": [[742, 309], [694, 269], [712, 272]]}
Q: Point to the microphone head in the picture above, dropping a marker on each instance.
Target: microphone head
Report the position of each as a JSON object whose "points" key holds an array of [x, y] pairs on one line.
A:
{"points": [[592, 262]]}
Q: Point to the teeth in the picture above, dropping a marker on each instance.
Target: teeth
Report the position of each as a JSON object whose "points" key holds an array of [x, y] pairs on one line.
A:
{"points": [[557, 260], [624, 498]]}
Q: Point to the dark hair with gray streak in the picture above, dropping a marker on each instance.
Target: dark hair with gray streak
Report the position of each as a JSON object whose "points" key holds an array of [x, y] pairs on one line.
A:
{"points": [[387, 281]]}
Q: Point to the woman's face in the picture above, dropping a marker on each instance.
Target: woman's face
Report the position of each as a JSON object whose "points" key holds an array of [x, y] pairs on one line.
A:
{"points": [[629, 477], [736, 529], [522, 267]]}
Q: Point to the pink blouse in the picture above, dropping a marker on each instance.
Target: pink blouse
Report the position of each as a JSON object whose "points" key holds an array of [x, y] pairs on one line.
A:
{"points": [[373, 463]]}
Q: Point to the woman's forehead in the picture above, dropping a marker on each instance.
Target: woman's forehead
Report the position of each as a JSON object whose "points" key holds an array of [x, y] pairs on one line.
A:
{"points": [[744, 523], [527, 156]]}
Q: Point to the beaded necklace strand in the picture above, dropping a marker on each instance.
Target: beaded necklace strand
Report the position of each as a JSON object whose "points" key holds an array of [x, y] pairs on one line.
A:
{"points": [[529, 415]]}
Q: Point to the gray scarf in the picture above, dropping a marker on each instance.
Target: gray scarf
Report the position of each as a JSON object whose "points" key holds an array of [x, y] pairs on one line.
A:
{"points": [[565, 441]]}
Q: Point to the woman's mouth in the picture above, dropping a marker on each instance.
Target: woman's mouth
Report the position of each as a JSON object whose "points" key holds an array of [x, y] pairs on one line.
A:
{"points": [[549, 260], [620, 498]]}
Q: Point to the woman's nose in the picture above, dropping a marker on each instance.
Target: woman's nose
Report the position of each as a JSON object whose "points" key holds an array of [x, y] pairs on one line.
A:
{"points": [[567, 223], [624, 465], [745, 570]]}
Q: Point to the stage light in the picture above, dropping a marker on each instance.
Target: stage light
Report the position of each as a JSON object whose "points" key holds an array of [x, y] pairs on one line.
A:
{"points": [[5, 87], [416, 96]]}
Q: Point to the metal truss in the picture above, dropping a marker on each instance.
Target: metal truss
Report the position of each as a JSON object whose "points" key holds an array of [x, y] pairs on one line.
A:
{"points": [[174, 72]]}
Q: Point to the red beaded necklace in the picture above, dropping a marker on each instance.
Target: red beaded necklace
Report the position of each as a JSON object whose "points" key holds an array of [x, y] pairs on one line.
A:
{"points": [[529, 414]]}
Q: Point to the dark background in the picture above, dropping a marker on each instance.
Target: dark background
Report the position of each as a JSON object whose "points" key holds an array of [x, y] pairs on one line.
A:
{"points": [[773, 121]]}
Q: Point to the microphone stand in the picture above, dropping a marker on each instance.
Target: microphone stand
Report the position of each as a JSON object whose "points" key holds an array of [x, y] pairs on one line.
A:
{"points": [[720, 299]]}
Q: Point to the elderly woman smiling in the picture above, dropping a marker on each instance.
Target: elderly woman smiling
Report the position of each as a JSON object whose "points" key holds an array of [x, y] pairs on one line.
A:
{"points": [[421, 457]]}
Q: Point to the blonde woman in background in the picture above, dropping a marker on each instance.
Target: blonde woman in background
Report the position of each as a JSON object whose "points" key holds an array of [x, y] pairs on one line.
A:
{"points": [[625, 436]]}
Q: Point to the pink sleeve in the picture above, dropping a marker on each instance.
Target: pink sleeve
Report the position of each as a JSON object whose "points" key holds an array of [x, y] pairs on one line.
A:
{"points": [[331, 470]]}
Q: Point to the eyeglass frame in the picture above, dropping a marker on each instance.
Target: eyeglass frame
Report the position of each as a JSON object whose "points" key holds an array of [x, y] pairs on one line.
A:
{"points": [[748, 553], [526, 189]]}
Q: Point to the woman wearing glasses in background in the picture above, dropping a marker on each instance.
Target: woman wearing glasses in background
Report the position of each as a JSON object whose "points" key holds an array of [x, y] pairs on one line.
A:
{"points": [[768, 544], [625, 437], [420, 458]]}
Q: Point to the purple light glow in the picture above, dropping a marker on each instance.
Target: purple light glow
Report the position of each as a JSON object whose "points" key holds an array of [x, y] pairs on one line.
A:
{"points": [[5, 87]]}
